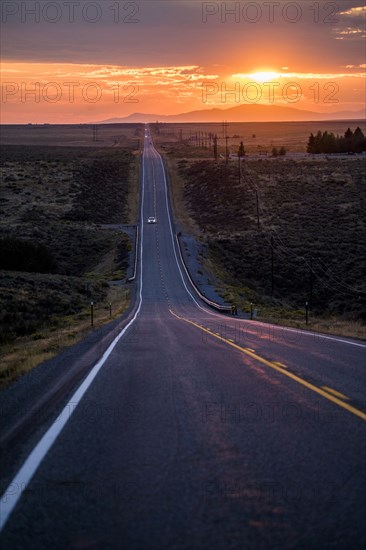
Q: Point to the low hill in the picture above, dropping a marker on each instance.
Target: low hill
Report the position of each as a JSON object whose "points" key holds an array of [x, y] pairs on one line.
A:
{"points": [[241, 113]]}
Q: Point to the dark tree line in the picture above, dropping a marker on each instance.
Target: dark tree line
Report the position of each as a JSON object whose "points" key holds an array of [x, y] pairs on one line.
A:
{"points": [[279, 153], [351, 142]]}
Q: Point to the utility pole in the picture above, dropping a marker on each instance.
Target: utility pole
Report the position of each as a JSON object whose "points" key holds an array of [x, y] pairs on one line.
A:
{"points": [[272, 266], [95, 132], [311, 283], [257, 204], [39, 169], [215, 146], [241, 153], [239, 173]]}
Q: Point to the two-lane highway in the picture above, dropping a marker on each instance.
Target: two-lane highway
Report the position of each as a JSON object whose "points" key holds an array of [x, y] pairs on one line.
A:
{"points": [[195, 430]]}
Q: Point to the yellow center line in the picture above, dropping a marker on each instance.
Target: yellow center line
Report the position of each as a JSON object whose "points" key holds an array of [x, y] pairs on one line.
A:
{"points": [[154, 187], [275, 366], [336, 393], [279, 364]]}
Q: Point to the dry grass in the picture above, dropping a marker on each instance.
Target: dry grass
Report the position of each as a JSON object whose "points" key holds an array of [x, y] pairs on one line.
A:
{"points": [[180, 210], [72, 135], [312, 206], [333, 326], [283, 316], [258, 137], [133, 197], [26, 353], [59, 197]]}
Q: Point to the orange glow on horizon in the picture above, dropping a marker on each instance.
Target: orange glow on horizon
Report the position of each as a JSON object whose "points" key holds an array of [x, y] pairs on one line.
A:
{"points": [[76, 93]]}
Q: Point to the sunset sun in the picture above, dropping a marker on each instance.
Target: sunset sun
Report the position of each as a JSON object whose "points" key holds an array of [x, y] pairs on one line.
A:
{"points": [[182, 290], [264, 76]]}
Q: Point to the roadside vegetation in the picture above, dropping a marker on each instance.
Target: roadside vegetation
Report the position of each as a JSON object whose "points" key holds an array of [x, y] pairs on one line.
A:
{"points": [[327, 142], [309, 225], [56, 255]]}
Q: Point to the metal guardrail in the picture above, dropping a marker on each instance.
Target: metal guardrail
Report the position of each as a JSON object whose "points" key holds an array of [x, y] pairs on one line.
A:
{"points": [[130, 279], [222, 309]]}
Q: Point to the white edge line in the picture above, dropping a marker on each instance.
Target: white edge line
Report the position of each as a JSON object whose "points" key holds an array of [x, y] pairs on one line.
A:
{"points": [[218, 315], [203, 298], [22, 479], [308, 333], [172, 237]]}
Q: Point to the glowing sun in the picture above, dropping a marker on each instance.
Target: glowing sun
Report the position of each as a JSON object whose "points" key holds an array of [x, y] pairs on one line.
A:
{"points": [[264, 76]]}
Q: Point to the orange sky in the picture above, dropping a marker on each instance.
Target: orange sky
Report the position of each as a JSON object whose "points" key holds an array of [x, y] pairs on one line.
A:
{"points": [[180, 57]]}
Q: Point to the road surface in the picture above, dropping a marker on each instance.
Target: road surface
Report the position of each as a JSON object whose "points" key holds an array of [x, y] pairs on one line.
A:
{"points": [[195, 430]]}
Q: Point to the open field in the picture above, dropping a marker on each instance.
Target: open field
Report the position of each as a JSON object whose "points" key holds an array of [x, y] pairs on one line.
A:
{"points": [[56, 254], [259, 137], [72, 135], [58, 197], [47, 314], [311, 214]]}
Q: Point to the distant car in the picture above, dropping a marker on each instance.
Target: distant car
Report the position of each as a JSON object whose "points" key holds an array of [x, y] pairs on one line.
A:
{"points": [[151, 219]]}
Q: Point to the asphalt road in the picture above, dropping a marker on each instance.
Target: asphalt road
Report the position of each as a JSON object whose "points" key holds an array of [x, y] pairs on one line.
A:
{"points": [[195, 430]]}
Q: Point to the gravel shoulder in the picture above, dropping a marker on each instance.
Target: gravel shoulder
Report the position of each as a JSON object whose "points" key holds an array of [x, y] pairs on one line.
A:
{"points": [[194, 253]]}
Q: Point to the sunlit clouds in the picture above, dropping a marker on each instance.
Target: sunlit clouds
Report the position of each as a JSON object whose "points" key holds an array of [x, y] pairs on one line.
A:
{"points": [[163, 62], [355, 12], [351, 24], [267, 77]]}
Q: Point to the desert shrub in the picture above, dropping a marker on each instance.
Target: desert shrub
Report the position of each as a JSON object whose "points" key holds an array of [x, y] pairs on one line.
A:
{"points": [[28, 301], [101, 189], [315, 213], [21, 255]]}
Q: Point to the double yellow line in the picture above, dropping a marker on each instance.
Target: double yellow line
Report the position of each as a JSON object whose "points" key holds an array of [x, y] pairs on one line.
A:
{"points": [[154, 186], [330, 394]]}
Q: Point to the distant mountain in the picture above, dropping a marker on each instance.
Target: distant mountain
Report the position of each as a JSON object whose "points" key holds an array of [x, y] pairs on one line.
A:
{"points": [[242, 113]]}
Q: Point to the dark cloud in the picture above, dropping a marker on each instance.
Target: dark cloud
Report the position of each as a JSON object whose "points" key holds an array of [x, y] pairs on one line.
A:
{"points": [[174, 33]]}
